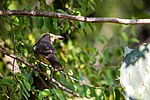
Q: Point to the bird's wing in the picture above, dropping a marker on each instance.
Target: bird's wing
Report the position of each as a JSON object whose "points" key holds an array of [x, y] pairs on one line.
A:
{"points": [[44, 47], [47, 50]]}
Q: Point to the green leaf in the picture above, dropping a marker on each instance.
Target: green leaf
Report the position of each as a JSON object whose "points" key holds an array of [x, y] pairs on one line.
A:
{"points": [[25, 95], [48, 23], [59, 94], [31, 80], [92, 27], [23, 32], [36, 73], [88, 92], [70, 72], [107, 53], [7, 82], [66, 27], [134, 40], [107, 94], [27, 76], [25, 91], [55, 24], [83, 25], [27, 85], [125, 37], [43, 94], [29, 22], [39, 22], [61, 11], [117, 94], [26, 79], [98, 92], [132, 27]]}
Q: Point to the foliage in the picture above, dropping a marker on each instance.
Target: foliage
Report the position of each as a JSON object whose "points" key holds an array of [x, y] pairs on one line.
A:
{"points": [[91, 53]]}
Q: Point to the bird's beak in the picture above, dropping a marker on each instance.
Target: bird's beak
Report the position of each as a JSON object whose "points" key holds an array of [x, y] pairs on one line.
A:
{"points": [[59, 37]]}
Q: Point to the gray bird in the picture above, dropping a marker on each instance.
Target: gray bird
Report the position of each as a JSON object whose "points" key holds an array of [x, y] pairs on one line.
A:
{"points": [[45, 51]]}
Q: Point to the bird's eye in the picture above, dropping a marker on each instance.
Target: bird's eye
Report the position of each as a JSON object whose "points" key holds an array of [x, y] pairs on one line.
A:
{"points": [[52, 36]]}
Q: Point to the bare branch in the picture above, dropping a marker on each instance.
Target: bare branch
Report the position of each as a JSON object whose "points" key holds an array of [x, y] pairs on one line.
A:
{"points": [[72, 17], [55, 82]]}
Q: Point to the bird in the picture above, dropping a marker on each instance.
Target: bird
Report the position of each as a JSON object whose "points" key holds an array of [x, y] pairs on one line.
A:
{"points": [[45, 51]]}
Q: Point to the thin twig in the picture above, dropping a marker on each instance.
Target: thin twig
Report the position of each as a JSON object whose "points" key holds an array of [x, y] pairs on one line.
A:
{"points": [[58, 84], [13, 40], [43, 82], [64, 88], [80, 81], [73, 17], [17, 58], [74, 79]]}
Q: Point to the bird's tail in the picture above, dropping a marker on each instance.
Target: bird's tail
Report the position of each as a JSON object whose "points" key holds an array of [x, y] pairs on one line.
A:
{"points": [[55, 64]]}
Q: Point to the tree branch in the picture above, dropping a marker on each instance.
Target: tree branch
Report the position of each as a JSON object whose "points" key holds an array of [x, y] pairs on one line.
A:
{"points": [[73, 17], [64, 88], [55, 82]]}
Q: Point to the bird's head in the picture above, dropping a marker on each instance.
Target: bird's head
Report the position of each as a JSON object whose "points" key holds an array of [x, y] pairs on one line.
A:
{"points": [[50, 37], [54, 37]]}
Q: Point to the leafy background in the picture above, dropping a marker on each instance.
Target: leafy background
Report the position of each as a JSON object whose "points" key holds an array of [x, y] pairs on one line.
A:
{"points": [[90, 52]]}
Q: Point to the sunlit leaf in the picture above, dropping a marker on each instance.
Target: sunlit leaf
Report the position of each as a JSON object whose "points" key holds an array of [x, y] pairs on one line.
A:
{"points": [[64, 57], [27, 85], [31, 38], [25, 91], [60, 94], [88, 92], [70, 72], [43, 94], [98, 92], [134, 40]]}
